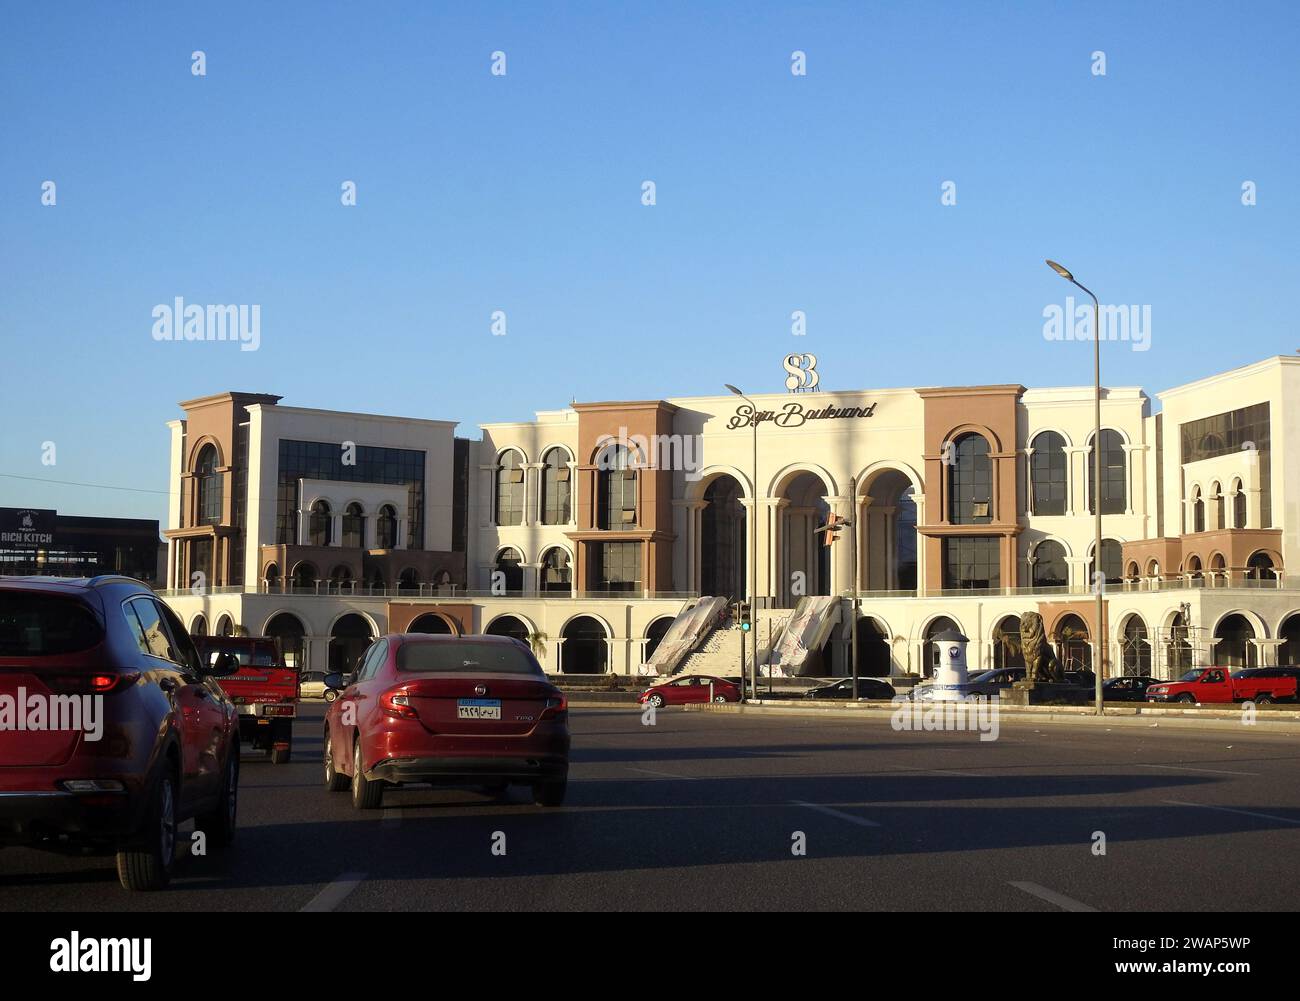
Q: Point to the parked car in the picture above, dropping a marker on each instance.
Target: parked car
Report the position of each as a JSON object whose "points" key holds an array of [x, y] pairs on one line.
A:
{"points": [[311, 685], [1084, 678], [264, 690], [1220, 685], [1129, 688], [446, 710], [868, 688], [165, 748], [688, 689], [993, 682]]}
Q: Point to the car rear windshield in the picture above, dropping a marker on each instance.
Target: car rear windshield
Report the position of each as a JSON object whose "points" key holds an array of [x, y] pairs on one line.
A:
{"points": [[465, 657], [44, 625], [257, 657]]}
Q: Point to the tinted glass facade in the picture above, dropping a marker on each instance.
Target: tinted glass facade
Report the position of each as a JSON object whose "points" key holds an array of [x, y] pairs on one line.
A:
{"points": [[1234, 431], [319, 460], [971, 562]]}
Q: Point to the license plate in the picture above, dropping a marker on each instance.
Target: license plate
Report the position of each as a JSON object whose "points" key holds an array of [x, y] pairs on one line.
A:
{"points": [[478, 708]]}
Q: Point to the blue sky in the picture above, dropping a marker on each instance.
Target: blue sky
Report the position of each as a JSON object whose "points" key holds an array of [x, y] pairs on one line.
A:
{"points": [[522, 193]]}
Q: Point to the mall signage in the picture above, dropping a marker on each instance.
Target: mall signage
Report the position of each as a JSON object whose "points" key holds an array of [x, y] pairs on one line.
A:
{"points": [[26, 528], [793, 415]]}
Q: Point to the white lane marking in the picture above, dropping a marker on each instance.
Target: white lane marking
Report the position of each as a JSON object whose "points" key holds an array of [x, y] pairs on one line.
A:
{"points": [[1228, 809], [860, 821], [1187, 768], [392, 816], [1052, 897], [666, 775], [335, 893]]}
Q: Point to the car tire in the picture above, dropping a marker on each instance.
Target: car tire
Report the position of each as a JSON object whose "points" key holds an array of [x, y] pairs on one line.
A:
{"points": [[656, 700], [1264, 699], [150, 867], [1187, 698], [280, 755], [330, 695], [335, 781], [366, 793], [219, 824], [550, 794], [719, 698]]}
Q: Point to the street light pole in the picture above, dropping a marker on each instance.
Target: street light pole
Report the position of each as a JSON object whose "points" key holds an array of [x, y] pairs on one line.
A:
{"points": [[753, 550], [1098, 583]]}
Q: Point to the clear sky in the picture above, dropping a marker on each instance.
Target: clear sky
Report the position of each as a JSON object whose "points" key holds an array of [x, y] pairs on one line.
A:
{"points": [[523, 193]]}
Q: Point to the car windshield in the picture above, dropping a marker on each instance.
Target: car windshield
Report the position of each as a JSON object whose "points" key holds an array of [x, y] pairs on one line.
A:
{"points": [[465, 656], [1191, 675], [984, 676], [42, 625], [257, 657]]}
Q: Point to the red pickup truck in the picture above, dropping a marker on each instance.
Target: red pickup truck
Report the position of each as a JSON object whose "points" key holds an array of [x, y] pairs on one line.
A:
{"points": [[1260, 685], [264, 690]]}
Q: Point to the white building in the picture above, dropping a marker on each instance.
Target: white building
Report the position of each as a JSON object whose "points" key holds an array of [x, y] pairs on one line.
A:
{"points": [[591, 527]]}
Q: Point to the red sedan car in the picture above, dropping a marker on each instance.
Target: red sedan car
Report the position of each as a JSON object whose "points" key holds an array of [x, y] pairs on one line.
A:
{"points": [[692, 688], [446, 710]]}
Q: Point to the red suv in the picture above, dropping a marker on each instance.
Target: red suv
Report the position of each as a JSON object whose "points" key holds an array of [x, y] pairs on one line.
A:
{"points": [[446, 710], [112, 733]]}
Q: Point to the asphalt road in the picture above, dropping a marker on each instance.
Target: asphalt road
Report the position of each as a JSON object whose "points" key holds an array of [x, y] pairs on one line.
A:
{"points": [[701, 811]]}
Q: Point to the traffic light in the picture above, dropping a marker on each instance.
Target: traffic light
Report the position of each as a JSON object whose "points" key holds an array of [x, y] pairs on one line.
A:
{"points": [[745, 615]]}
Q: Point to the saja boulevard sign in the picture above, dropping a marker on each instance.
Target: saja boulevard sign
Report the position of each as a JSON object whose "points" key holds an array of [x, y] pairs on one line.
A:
{"points": [[793, 415]]}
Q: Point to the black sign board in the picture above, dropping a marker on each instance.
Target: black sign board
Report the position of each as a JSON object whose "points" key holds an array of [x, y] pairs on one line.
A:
{"points": [[26, 527]]}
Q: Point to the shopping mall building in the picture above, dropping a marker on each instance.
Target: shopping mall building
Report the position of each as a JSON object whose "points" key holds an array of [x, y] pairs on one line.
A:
{"points": [[589, 529]]}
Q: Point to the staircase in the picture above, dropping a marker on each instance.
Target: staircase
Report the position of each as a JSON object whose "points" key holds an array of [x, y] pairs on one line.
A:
{"points": [[718, 655]]}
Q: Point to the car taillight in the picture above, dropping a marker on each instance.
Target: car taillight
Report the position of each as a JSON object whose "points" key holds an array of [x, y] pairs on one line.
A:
{"points": [[94, 683], [556, 707], [398, 704]]}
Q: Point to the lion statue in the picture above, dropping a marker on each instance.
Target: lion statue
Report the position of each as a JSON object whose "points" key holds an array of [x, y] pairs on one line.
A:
{"points": [[1040, 660]]}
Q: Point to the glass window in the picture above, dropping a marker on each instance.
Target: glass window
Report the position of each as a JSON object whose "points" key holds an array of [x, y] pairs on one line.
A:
{"points": [[472, 656], [321, 525], [1050, 569], [972, 562], [508, 563], [556, 571], [1114, 474], [618, 566], [557, 490], [354, 526], [510, 489], [386, 528], [156, 641], [209, 486], [970, 482], [1112, 562], [1048, 474], [616, 496]]}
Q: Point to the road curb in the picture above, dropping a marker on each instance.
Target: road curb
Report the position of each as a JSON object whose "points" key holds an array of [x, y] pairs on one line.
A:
{"points": [[1269, 721]]}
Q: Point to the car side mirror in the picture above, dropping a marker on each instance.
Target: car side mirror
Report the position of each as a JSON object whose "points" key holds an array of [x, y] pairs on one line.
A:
{"points": [[223, 665]]}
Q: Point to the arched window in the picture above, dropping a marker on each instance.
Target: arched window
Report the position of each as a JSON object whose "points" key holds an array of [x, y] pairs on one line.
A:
{"points": [[508, 565], [354, 526], [722, 540], [1238, 506], [1073, 646], [1178, 651], [616, 494], [1007, 651], [557, 490], [555, 571], [1234, 648], [970, 482], [321, 524], [1260, 567], [386, 528], [199, 627], [1048, 473], [510, 488], [408, 581], [209, 486], [1114, 474], [1112, 562], [1198, 511], [1216, 498], [1135, 648], [1050, 569], [272, 576]]}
